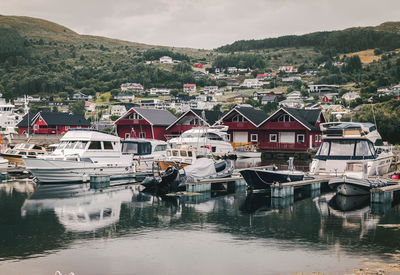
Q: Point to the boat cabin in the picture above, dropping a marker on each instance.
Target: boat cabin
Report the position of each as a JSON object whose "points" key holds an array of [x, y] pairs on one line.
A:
{"points": [[346, 149], [143, 147]]}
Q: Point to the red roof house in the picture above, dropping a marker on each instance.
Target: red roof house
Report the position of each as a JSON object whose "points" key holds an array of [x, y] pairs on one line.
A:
{"points": [[144, 123]]}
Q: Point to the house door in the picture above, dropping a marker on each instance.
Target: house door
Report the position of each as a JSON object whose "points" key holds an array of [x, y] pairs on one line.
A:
{"points": [[287, 137], [240, 137]]}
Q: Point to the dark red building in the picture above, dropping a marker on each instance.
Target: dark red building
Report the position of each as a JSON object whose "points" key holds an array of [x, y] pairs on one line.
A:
{"points": [[291, 129], [57, 123], [144, 123], [243, 124], [190, 119], [51, 123]]}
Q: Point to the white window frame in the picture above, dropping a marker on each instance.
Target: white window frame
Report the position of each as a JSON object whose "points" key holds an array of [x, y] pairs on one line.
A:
{"points": [[316, 138], [275, 139], [66, 127], [127, 135], [35, 127], [319, 138], [142, 135], [301, 135], [253, 135], [229, 137]]}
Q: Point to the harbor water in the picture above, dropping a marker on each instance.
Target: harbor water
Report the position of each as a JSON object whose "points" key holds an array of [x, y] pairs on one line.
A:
{"points": [[121, 230]]}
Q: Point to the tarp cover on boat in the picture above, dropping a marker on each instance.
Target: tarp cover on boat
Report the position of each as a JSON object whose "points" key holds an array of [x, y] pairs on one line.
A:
{"points": [[203, 168]]}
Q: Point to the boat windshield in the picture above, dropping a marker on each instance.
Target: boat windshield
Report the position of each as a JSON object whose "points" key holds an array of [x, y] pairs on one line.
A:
{"points": [[349, 148], [131, 148], [62, 145]]}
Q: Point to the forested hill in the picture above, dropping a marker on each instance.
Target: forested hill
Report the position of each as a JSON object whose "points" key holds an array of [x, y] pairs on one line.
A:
{"points": [[385, 36]]}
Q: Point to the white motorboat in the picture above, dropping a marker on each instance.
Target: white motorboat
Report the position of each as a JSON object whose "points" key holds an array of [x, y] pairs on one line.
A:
{"points": [[178, 157], [206, 140], [3, 164], [145, 151], [348, 142], [80, 154], [355, 180]]}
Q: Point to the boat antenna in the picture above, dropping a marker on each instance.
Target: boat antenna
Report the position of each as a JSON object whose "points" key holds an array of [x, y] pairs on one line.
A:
{"points": [[373, 114]]}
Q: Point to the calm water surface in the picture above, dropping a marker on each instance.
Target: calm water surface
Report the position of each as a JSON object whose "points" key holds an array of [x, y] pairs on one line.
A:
{"points": [[124, 231]]}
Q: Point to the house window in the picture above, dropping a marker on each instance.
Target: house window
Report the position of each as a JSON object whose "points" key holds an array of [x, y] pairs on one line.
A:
{"points": [[238, 118], [134, 116], [35, 127], [127, 135], [300, 138], [40, 118], [316, 138], [254, 137], [142, 135], [285, 118], [273, 137], [67, 128], [320, 138]]}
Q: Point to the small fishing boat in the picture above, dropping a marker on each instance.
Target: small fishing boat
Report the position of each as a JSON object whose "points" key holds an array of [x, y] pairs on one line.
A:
{"points": [[82, 153], [172, 179], [355, 180], [262, 178], [14, 155], [179, 157], [248, 151]]}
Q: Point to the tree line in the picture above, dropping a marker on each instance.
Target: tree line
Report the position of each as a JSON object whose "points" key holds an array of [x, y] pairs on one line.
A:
{"points": [[344, 41]]}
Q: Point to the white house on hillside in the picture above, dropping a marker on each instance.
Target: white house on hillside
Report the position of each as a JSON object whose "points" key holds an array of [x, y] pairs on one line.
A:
{"points": [[166, 60], [251, 83], [350, 96]]}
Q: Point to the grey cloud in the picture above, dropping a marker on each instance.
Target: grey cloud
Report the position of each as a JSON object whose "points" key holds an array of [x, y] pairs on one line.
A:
{"points": [[204, 23]]}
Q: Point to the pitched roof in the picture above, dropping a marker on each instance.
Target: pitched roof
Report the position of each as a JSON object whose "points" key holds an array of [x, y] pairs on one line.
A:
{"points": [[24, 121], [252, 114], [211, 116], [63, 119], [156, 116], [307, 117]]}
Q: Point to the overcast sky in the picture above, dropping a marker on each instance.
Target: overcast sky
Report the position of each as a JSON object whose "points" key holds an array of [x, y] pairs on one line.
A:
{"points": [[204, 23]]}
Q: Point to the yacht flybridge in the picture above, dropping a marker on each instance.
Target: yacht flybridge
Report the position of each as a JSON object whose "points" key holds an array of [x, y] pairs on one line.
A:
{"points": [[206, 140], [80, 154], [350, 141]]}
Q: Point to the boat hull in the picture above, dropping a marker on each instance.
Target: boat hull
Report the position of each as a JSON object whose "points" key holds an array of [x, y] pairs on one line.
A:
{"points": [[248, 154], [350, 186], [262, 179], [13, 159], [63, 171]]}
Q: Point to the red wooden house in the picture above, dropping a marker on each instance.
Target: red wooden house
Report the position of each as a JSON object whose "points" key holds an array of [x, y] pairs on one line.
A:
{"points": [[192, 118], [243, 124], [56, 123], [291, 129], [144, 123]]}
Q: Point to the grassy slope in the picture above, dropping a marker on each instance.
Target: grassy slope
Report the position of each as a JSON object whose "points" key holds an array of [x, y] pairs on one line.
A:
{"points": [[34, 28]]}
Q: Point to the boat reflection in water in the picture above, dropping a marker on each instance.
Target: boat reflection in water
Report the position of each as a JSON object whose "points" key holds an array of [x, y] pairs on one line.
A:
{"points": [[77, 207], [354, 212]]}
